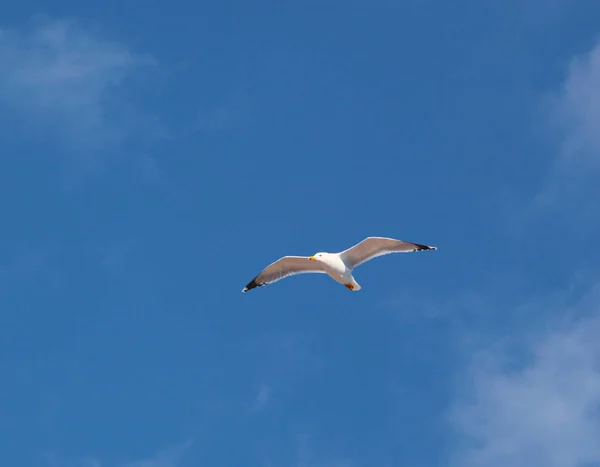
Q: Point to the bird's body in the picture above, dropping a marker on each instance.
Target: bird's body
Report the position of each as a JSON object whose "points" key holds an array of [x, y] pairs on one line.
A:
{"points": [[334, 265], [338, 266]]}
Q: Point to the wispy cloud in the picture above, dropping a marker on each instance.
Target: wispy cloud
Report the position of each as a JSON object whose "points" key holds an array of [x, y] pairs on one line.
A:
{"points": [[542, 12], [225, 116], [51, 460], [172, 456], [574, 112], [263, 397], [567, 187], [535, 401], [169, 457], [579, 108], [70, 84], [91, 463], [306, 457]]}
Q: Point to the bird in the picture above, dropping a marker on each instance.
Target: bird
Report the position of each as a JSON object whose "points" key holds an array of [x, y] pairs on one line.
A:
{"points": [[338, 265]]}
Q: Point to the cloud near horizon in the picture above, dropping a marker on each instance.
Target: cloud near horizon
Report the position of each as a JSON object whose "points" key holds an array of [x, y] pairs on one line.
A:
{"points": [[68, 83]]}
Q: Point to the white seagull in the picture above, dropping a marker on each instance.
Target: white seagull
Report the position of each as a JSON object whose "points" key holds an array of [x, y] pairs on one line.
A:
{"points": [[338, 265]]}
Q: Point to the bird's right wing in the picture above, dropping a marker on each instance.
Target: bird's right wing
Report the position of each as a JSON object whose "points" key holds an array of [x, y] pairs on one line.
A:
{"points": [[372, 247], [284, 267]]}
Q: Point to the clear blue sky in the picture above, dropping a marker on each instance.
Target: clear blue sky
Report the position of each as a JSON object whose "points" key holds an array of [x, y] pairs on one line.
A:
{"points": [[155, 156]]}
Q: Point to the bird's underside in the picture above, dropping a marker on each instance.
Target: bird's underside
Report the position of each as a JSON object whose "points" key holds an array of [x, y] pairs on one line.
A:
{"points": [[337, 265]]}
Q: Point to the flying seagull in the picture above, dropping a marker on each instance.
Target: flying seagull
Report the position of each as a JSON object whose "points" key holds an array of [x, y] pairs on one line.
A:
{"points": [[338, 265]]}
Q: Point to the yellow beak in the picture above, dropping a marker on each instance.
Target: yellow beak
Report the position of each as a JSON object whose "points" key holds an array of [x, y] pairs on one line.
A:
{"points": [[312, 258]]}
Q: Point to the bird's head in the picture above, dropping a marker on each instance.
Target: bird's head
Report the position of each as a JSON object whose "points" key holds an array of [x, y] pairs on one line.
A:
{"points": [[317, 257]]}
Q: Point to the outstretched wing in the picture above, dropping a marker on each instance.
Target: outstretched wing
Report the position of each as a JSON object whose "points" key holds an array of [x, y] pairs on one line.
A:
{"points": [[372, 247], [284, 267]]}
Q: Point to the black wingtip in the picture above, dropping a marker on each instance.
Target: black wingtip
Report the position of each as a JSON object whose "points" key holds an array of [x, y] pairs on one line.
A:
{"points": [[251, 285], [424, 247]]}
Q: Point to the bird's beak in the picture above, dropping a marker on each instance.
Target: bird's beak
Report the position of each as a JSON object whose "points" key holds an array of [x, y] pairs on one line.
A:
{"points": [[312, 258]]}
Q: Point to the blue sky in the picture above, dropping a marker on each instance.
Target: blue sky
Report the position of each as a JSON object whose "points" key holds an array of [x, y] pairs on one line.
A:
{"points": [[155, 156]]}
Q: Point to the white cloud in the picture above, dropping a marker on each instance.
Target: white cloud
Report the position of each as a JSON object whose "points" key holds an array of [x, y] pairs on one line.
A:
{"points": [[69, 83], [541, 413]]}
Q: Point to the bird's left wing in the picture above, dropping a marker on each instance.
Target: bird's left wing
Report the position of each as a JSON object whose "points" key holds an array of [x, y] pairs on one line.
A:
{"points": [[284, 267], [372, 247]]}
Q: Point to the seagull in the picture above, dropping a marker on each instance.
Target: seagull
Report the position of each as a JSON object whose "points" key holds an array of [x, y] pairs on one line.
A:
{"points": [[338, 265]]}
